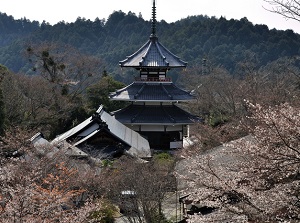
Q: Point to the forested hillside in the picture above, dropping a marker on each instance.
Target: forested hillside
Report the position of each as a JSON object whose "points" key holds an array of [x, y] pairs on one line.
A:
{"points": [[221, 42]]}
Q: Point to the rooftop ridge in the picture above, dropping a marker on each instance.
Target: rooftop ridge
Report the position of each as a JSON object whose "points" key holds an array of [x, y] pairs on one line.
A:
{"points": [[165, 90], [146, 53]]}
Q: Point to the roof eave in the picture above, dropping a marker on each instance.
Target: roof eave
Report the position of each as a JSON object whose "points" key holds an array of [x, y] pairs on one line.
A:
{"points": [[147, 67], [159, 123], [142, 100]]}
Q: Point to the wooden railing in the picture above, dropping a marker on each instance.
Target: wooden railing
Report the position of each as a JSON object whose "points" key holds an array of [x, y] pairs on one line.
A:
{"points": [[154, 79]]}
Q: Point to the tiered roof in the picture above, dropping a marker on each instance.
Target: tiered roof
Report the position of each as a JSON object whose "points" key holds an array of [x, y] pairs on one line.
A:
{"points": [[153, 55], [153, 60], [154, 114], [151, 91]]}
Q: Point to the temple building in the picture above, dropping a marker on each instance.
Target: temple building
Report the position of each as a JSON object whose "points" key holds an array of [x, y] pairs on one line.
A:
{"points": [[152, 120], [153, 111], [99, 137]]}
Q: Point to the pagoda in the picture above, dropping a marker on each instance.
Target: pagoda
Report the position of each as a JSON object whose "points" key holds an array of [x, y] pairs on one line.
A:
{"points": [[153, 97]]}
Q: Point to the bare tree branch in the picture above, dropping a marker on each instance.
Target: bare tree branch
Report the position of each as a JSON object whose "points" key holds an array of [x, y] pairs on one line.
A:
{"points": [[290, 9]]}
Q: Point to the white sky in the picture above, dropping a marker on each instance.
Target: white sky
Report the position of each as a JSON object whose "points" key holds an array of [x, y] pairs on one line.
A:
{"points": [[54, 11]]}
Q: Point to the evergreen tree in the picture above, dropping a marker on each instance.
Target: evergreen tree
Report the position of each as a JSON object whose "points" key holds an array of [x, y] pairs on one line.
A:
{"points": [[99, 93]]}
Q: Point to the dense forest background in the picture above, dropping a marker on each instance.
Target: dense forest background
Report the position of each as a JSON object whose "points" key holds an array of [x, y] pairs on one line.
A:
{"points": [[221, 42]]}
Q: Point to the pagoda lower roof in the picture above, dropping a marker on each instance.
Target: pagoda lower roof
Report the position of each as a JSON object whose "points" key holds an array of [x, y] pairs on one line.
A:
{"points": [[154, 114], [153, 55], [152, 91]]}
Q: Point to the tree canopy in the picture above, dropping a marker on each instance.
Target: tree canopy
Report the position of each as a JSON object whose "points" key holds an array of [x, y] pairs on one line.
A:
{"points": [[220, 41]]}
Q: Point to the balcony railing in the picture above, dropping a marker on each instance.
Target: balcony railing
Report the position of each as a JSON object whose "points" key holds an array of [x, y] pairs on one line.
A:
{"points": [[153, 79]]}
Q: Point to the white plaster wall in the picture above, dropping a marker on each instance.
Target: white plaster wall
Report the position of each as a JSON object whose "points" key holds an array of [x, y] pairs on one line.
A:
{"points": [[174, 128], [150, 128]]}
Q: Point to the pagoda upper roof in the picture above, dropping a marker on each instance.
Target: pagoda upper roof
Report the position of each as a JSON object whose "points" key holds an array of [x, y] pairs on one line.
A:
{"points": [[152, 91], [153, 55], [154, 114]]}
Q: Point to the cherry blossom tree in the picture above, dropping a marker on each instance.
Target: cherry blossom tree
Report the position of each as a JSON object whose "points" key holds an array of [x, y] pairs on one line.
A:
{"points": [[26, 197], [255, 178], [40, 188]]}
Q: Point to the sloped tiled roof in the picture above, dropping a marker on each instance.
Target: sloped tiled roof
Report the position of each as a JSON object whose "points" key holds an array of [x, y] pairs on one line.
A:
{"points": [[138, 145], [153, 55], [147, 91], [140, 114]]}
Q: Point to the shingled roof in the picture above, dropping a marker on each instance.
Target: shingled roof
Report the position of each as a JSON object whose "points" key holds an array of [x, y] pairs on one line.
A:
{"points": [[153, 55], [101, 120], [152, 91], [155, 114]]}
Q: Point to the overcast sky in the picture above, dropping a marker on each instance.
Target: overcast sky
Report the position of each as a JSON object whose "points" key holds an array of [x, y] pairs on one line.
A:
{"points": [[169, 10]]}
